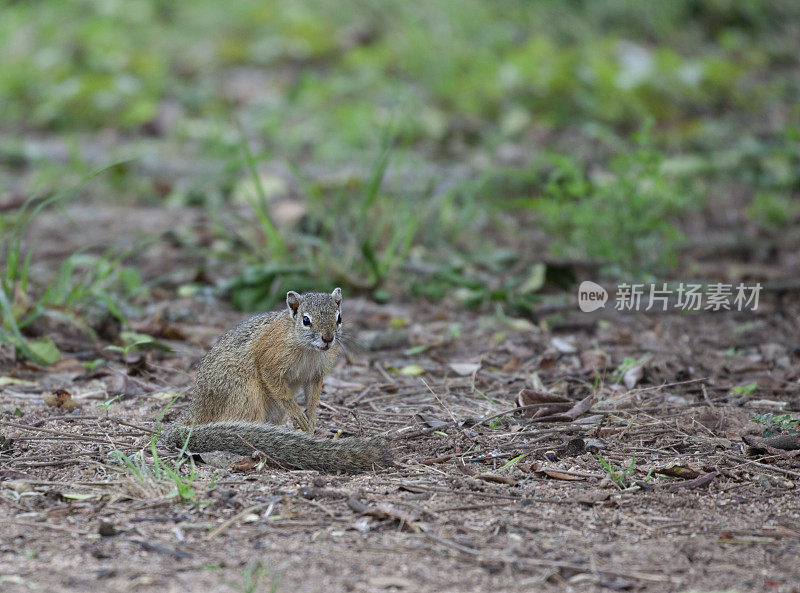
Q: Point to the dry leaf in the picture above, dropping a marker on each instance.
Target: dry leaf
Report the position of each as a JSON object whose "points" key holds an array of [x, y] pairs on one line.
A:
{"points": [[390, 582], [633, 376], [465, 368], [539, 397], [686, 472], [563, 346], [574, 412], [498, 479], [245, 464], [594, 360], [13, 381], [431, 421], [554, 473]]}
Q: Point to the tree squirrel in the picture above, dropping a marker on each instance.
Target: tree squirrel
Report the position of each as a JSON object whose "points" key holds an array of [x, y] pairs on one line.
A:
{"points": [[247, 382]]}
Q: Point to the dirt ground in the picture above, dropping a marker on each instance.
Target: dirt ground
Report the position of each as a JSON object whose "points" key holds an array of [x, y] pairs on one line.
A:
{"points": [[697, 507]]}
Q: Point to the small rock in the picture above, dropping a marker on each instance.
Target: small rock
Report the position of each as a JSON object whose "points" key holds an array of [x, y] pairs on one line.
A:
{"points": [[106, 529], [563, 346], [388, 339]]}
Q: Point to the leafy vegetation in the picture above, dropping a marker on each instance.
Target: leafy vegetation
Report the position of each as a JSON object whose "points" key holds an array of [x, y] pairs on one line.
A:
{"points": [[430, 146], [619, 476], [159, 478], [82, 281], [777, 423]]}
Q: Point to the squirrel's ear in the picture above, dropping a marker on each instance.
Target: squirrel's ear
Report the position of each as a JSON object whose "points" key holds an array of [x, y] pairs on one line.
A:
{"points": [[293, 301], [337, 296]]}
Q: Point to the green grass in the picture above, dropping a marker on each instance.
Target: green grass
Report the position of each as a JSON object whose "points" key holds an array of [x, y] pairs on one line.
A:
{"points": [[159, 478], [252, 575], [619, 476], [354, 236], [393, 119], [82, 281]]}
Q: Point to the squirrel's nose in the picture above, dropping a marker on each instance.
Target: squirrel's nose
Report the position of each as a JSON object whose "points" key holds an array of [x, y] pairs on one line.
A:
{"points": [[327, 339]]}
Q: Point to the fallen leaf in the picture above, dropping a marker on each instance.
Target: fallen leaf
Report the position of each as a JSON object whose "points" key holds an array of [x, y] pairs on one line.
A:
{"points": [[464, 368], [432, 421], [244, 464], [563, 346], [540, 397], [77, 496], [45, 349], [163, 395], [121, 383], [574, 412], [411, 369], [555, 474], [434, 460], [14, 381], [391, 582], [679, 471], [633, 375], [695, 483], [593, 499], [68, 366], [497, 479], [594, 360]]}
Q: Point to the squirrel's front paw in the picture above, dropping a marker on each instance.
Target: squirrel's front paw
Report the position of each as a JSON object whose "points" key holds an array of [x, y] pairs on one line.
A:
{"points": [[300, 422]]}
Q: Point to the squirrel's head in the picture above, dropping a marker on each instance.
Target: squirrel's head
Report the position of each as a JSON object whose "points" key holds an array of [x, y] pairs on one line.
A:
{"points": [[317, 317]]}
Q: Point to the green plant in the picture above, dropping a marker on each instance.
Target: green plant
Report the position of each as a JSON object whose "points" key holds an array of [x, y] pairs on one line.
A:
{"points": [[107, 404], [20, 304], [134, 342], [495, 423], [251, 576], [748, 389], [777, 424], [773, 211], [355, 237], [159, 478], [627, 364], [618, 475], [511, 462], [499, 276], [625, 217]]}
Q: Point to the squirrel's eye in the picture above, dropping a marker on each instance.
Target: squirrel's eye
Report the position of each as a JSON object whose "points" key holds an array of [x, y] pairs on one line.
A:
{"points": [[306, 321], [339, 318]]}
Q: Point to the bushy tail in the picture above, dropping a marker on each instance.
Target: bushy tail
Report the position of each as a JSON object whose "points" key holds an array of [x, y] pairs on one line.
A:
{"points": [[288, 447]]}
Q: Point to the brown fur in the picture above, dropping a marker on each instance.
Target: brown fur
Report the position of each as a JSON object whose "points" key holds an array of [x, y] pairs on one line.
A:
{"points": [[246, 387]]}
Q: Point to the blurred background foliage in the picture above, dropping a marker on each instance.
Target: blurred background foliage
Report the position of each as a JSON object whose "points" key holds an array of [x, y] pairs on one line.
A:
{"points": [[428, 148]]}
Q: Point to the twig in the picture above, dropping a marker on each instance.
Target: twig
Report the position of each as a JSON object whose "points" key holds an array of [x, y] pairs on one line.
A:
{"points": [[544, 562], [49, 526], [77, 437], [240, 515], [764, 465]]}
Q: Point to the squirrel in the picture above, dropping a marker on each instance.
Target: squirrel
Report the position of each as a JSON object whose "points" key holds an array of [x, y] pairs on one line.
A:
{"points": [[246, 385]]}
